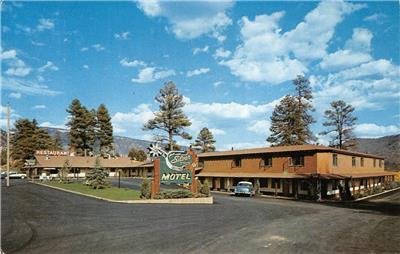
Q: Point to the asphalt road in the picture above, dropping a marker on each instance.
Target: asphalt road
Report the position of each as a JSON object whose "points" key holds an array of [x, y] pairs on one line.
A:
{"points": [[36, 219]]}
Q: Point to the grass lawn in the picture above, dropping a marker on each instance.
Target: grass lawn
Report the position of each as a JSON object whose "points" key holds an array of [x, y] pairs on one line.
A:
{"points": [[110, 193]]}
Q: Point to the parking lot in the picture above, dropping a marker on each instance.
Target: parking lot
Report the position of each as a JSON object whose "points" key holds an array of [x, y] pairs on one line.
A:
{"points": [[37, 219]]}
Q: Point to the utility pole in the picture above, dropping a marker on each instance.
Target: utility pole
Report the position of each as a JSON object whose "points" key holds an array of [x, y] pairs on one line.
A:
{"points": [[8, 145]]}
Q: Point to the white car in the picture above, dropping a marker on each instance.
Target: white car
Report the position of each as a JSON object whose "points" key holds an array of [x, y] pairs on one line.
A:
{"points": [[16, 175], [244, 188]]}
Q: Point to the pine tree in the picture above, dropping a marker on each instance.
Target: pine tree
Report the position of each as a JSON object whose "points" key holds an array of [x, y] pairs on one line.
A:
{"points": [[28, 138], [96, 177], [82, 128], [303, 116], [57, 142], [137, 154], [205, 141], [170, 117], [339, 117], [104, 130], [291, 119], [284, 129]]}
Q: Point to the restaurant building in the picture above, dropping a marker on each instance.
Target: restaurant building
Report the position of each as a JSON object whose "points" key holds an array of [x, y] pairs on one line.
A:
{"points": [[49, 164], [301, 171]]}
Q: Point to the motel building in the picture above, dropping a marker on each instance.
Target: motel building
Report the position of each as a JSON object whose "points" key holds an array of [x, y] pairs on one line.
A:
{"points": [[47, 164], [300, 171]]}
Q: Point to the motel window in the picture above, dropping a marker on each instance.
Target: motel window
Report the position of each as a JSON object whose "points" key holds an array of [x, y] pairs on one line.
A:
{"points": [[201, 164], [374, 163], [263, 182], [296, 161], [266, 162], [237, 163], [334, 185], [362, 162], [304, 186], [353, 161], [380, 163], [334, 160]]}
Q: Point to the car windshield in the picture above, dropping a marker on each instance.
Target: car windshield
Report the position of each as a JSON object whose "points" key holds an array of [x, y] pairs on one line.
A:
{"points": [[244, 184]]}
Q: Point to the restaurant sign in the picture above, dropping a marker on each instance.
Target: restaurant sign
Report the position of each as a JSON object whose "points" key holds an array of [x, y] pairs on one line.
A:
{"points": [[174, 165], [52, 153]]}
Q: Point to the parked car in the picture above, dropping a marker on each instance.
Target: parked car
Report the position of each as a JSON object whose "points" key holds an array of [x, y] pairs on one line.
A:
{"points": [[244, 188], [15, 175], [3, 175]]}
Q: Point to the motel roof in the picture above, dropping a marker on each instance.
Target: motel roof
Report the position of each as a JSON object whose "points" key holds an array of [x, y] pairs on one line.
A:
{"points": [[84, 162], [283, 149]]}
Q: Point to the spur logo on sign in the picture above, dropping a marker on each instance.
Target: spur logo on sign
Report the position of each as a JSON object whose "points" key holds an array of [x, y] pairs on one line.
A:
{"points": [[173, 165]]}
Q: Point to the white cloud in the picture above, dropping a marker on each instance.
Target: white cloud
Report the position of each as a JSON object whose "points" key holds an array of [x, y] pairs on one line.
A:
{"points": [[98, 47], [197, 72], [151, 74], [84, 49], [217, 132], [376, 17], [15, 95], [127, 63], [135, 119], [27, 87], [45, 24], [39, 44], [9, 54], [260, 127], [371, 130], [122, 35], [39, 107], [200, 50], [51, 125], [48, 66], [18, 68], [344, 59], [229, 110], [202, 18], [85, 66], [268, 55], [221, 53], [150, 7], [217, 83], [360, 41]]}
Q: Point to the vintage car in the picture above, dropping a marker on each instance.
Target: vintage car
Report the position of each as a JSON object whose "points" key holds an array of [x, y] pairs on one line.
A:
{"points": [[244, 188], [15, 175]]}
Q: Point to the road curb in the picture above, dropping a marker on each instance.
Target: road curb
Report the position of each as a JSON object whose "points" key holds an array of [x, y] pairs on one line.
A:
{"points": [[206, 200], [376, 195]]}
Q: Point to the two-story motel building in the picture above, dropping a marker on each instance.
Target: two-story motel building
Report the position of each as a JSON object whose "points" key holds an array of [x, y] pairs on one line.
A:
{"points": [[299, 170]]}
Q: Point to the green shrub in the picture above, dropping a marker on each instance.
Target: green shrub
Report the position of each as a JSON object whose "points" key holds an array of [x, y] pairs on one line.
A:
{"points": [[174, 194], [205, 189], [145, 189], [96, 177]]}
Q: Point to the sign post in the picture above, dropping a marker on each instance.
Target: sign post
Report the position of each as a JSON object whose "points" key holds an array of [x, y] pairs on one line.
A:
{"points": [[173, 167]]}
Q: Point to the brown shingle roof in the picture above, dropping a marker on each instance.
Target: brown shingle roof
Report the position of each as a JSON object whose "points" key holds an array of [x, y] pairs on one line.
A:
{"points": [[280, 149], [84, 162]]}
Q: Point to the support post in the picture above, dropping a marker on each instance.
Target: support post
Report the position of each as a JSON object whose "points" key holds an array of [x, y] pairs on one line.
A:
{"points": [[8, 145], [155, 183]]}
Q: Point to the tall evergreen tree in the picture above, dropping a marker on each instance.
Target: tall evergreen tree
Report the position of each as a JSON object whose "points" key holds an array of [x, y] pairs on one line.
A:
{"points": [[284, 129], [28, 138], [82, 128], [341, 122], [291, 119], [104, 130], [303, 116], [205, 141], [170, 117], [57, 141]]}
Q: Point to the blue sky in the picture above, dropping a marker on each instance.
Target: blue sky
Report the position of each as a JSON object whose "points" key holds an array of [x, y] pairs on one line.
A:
{"points": [[233, 61]]}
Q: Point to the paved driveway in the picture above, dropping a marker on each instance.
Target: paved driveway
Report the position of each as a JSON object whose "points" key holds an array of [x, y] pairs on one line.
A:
{"points": [[37, 219]]}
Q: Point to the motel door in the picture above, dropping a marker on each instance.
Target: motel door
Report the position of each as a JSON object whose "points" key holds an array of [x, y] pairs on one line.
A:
{"points": [[286, 187]]}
